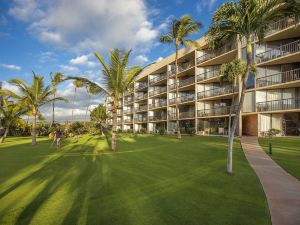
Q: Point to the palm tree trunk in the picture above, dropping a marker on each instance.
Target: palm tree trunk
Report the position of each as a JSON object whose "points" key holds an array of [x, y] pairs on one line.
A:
{"points": [[33, 131], [5, 133], [114, 131], [87, 108], [177, 94], [73, 104], [241, 101], [53, 112]]}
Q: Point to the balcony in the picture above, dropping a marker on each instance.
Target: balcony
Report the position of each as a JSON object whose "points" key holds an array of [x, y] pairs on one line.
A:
{"points": [[157, 118], [279, 52], [182, 99], [158, 78], [207, 75], [225, 90], [128, 120], [216, 111], [210, 55], [128, 111], [119, 113], [141, 86], [279, 78], [158, 104], [140, 97], [140, 119], [278, 105], [182, 115], [128, 101], [157, 91], [141, 108], [181, 67], [280, 25]]}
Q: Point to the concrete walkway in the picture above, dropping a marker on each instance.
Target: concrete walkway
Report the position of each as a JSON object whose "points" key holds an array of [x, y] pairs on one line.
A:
{"points": [[282, 190]]}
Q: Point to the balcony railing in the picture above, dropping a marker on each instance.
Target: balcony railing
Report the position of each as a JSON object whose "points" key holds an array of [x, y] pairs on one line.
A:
{"points": [[216, 92], [216, 111], [181, 67], [207, 75], [216, 53], [119, 113], [141, 108], [182, 115], [282, 104], [128, 111], [140, 119], [158, 78], [140, 86], [185, 82], [279, 78], [157, 117], [158, 104], [128, 120], [157, 91], [141, 96], [128, 100], [280, 25], [280, 51], [182, 99]]}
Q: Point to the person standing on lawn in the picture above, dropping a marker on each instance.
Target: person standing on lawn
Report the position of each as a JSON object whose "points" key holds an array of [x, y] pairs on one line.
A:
{"points": [[57, 139]]}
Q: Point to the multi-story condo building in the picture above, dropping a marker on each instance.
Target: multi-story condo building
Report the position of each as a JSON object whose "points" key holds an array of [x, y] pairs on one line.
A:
{"points": [[272, 98]]}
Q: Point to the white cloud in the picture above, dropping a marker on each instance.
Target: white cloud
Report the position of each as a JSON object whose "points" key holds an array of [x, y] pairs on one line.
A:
{"points": [[159, 59], [69, 69], [88, 24], [205, 4], [26, 10], [141, 59], [11, 67], [83, 60]]}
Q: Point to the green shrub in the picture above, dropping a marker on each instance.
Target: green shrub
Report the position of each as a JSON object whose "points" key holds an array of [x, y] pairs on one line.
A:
{"points": [[161, 131], [76, 128], [143, 130], [190, 130]]}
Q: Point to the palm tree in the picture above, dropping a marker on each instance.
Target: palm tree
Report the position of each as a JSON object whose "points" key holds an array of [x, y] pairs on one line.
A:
{"points": [[178, 35], [243, 19], [91, 90], [33, 97], [55, 80], [118, 77], [11, 115], [77, 84]]}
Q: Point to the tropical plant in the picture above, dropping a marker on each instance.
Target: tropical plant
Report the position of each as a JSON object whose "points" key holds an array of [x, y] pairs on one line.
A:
{"points": [[77, 84], [91, 90], [243, 20], [118, 77], [99, 116], [10, 113], [33, 96], [178, 34], [55, 80]]}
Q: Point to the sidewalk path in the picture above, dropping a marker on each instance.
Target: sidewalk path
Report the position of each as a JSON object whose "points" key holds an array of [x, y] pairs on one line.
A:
{"points": [[282, 190]]}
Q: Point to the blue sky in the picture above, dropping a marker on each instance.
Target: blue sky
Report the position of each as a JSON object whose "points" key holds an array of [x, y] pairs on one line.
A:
{"points": [[61, 35]]}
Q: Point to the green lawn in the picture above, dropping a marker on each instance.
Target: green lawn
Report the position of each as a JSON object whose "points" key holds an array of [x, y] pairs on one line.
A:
{"points": [[155, 180], [286, 152]]}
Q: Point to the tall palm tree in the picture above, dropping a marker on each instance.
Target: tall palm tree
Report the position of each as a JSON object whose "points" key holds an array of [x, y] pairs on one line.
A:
{"points": [[77, 84], [91, 90], [55, 80], [11, 113], [117, 78], [178, 34], [243, 19], [33, 96]]}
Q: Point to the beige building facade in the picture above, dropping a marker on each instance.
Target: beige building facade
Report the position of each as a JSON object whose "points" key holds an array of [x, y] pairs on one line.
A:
{"points": [[272, 99]]}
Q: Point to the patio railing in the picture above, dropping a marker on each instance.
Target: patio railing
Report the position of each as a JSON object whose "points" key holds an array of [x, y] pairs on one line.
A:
{"points": [[282, 104]]}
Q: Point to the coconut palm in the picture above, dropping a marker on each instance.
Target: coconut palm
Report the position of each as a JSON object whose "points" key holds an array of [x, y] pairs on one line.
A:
{"points": [[10, 113], [33, 96], [243, 19], [77, 84], [117, 78], [178, 34], [55, 80], [91, 90]]}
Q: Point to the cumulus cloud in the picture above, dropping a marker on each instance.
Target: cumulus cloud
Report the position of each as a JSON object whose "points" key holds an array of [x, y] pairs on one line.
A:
{"points": [[88, 24], [141, 59], [69, 69], [159, 59], [83, 60], [11, 66]]}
